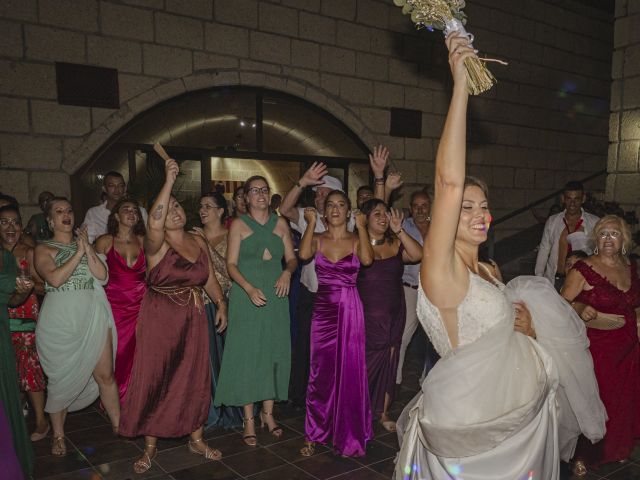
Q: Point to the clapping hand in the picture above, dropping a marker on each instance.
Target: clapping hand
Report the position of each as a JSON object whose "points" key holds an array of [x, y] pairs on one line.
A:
{"points": [[82, 239], [23, 285], [395, 220], [378, 160], [313, 176]]}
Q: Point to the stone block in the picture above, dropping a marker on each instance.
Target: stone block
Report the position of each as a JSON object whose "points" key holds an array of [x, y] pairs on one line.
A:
{"points": [[276, 19], [612, 157], [523, 178], [309, 5], [632, 93], [376, 119], [202, 9], [631, 60], [16, 184], [156, 4], [238, 12], [614, 127], [374, 13], [167, 61], [432, 125], [503, 176], [124, 55], [403, 72], [418, 99], [626, 188], [56, 182], [373, 67], [544, 179], [315, 96], [354, 36], [339, 8], [311, 76], [19, 10], [633, 6], [99, 115], [337, 60], [15, 115], [11, 39], [317, 28], [629, 126], [28, 79], [179, 31], [260, 66], [52, 118], [132, 85], [29, 152], [44, 43], [305, 54], [206, 61], [386, 43], [628, 158], [127, 22], [417, 148], [356, 91], [330, 83], [74, 14], [388, 95], [227, 40], [270, 48]]}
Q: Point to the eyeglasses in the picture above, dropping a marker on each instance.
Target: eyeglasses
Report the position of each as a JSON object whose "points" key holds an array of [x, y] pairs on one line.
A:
{"points": [[10, 221], [257, 190], [608, 233]]}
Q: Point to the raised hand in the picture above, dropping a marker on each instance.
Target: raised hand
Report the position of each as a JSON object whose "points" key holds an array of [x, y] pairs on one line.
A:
{"points": [[394, 181], [459, 50], [361, 219], [310, 215], [378, 160], [171, 170], [395, 220], [314, 175]]}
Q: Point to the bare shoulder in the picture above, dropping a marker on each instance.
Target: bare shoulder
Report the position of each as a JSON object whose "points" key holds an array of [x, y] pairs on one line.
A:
{"points": [[103, 243]]}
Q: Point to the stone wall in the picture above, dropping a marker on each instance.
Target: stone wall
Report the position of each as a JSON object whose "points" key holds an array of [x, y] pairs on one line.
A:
{"points": [[623, 181], [545, 122]]}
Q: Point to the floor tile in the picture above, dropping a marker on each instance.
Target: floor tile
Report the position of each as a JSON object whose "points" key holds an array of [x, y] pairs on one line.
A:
{"points": [[376, 452], [50, 465], [628, 472], [250, 463], [389, 439], [122, 469], [84, 474], [362, 474], [231, 444], [295, 423], [206, 471], [327, 465], [287, 471], [110, 452], [290, 449], [178, 458], [385, 467], [84, 419]]}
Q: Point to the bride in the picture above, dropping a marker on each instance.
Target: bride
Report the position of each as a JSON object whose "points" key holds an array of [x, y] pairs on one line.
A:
{"points": [[488, 407]]}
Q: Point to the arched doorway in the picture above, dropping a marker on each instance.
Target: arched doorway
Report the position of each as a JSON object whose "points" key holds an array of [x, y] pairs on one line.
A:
{"points": [[221, 136]]}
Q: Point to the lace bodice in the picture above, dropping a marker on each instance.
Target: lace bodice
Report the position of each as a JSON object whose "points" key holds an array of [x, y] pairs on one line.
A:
{"points": [[80, 279], [484, 306]]}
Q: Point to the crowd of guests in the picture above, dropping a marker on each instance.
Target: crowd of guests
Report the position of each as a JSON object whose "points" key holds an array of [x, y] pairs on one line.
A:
{"points": [[180, 330]]}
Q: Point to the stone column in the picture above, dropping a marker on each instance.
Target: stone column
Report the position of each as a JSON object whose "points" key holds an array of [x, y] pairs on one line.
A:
{"points": [[623, 181]]}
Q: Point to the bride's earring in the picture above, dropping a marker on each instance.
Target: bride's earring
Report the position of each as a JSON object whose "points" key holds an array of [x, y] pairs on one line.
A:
{"points": [[595, 251]]}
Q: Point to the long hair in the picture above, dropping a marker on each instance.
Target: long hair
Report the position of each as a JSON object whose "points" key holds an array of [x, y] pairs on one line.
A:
{"points": [[139, 228], [220, 201], [369, 206]]}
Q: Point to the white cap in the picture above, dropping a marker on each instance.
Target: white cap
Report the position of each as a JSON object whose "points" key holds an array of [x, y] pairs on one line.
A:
{"points": [[330, 182]]}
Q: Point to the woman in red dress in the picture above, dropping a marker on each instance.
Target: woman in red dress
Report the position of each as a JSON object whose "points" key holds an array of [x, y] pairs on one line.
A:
{"points": [[605, 291]]}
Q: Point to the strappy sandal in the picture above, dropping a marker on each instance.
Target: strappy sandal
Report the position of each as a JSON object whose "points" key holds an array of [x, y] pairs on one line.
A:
{"points": [[275, 431], [579, 468], [144, 463], [58, 446], [388, 425], [309, 449], [208, 453], [250, 440], [37, 436]]}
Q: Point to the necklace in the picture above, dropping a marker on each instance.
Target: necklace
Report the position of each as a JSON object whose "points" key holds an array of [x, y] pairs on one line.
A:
{"points": [[375, 242]]}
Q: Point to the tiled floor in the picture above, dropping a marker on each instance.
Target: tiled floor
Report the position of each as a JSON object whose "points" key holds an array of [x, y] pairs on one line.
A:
{"points": [[96, 454]]}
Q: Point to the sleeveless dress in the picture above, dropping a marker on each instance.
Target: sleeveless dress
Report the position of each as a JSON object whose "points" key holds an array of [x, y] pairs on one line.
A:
{"points": [[616, 357], [338, 409], [380, 288], [14, 440], [125, 291], [72, 329], [169, 390], [257, 354], [488, 407]]}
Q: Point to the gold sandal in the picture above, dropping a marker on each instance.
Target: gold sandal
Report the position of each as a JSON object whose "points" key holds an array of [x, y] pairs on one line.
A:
{"points": [[275, 431], [144, 463], [579, 468], [309, 449], [58, 446], [208, 453], [250, 440]]}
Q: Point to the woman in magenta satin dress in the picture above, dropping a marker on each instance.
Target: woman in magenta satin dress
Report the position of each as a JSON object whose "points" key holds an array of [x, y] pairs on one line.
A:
{"points": [[338, 409], [122, 247]]}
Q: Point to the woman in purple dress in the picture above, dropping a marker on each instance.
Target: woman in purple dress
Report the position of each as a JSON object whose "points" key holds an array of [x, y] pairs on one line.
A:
{"points": [[380, 287], [337, 396]]}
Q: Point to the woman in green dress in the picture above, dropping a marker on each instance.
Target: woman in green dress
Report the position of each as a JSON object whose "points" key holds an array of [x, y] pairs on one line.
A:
{"points": [[13, 291], [257, 357], [75, 335]]}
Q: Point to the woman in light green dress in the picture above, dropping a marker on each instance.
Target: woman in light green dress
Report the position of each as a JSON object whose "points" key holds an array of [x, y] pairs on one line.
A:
{"points": [[12, 292], [75, 335]]}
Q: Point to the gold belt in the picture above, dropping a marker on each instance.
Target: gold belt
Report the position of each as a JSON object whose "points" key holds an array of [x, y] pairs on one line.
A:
{"points": [[182, 296]]}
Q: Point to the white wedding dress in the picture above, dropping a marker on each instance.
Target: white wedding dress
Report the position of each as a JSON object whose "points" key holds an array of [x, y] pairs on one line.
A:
{"points": [[501, 406]]}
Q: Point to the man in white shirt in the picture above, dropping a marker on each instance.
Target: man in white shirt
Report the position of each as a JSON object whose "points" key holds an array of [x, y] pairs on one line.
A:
{"points": [[322, 184], [115, 189], [565, 232]]}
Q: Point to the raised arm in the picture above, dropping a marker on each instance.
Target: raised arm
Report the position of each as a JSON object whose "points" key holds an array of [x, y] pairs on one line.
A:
{"points": [[378, 162], [364, 250], [412, 250], [155, 225], [307, 247], [97, 268], [438, 258], [313, 176]]}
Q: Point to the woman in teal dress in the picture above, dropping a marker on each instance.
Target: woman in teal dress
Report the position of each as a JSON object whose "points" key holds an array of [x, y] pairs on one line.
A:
{"points": [[13, 291], [257, 357], [75, 335]]}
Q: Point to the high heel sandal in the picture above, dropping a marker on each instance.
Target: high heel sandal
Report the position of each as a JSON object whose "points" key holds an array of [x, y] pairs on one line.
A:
{"points": [[579, 468], [275, 431], [309, 449], [250, 440], [58, 446], [144, 463], [208, 453]]}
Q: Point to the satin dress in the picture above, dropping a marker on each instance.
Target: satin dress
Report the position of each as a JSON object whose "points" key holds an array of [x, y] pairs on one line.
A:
{"points": [[338, 409], [125, 291], [616, 359]]}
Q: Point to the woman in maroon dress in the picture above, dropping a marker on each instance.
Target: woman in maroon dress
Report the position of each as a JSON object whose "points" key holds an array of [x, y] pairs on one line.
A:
{"points": [[170, 388], [605, 291], [380, 288]]}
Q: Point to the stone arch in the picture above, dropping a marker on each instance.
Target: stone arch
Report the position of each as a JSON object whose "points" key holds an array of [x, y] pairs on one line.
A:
{"points": [[207, 79]]}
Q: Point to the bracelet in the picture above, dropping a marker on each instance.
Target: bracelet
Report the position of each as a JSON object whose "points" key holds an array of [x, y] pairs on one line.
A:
{"points": [[379, 181], [297, 184], [399, 232]]}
